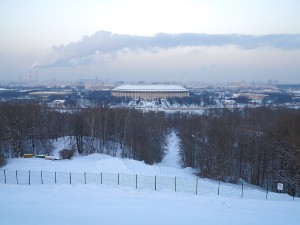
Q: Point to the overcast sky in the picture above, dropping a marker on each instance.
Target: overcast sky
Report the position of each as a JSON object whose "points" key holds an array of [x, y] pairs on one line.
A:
{"points": [[155, 40]]}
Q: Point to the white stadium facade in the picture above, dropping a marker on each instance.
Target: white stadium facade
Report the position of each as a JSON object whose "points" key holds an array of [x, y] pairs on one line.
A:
{"points": [[150, 92]]}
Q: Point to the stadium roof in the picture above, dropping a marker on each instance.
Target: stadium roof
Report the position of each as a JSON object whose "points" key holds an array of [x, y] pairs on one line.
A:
{"points": [[150, 88]]}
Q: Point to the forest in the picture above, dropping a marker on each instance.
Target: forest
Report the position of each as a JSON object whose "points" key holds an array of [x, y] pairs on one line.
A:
{"points": [[32, 128], [258, 145]]}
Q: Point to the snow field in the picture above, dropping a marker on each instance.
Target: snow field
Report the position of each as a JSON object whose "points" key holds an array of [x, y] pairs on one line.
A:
{"points": [[94, 204], [104, 169], [110, 203]]}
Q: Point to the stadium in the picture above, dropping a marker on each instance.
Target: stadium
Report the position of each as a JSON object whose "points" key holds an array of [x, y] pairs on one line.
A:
{"points": [[150, 92]]}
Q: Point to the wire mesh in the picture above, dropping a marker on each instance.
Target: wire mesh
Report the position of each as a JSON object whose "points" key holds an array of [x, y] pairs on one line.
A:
{"points": [[110, 178], [206, 187], [93, 178], [22, 177], [48, 177], [63, 178], [185, 184], [145, 182], [77, 178], [230, 190], [180, 184], [165, 183], [35, 178], [2, 177], [128, 180]]}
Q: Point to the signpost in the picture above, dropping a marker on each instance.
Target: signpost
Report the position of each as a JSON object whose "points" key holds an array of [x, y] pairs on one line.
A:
{"points": [[280, 187]]}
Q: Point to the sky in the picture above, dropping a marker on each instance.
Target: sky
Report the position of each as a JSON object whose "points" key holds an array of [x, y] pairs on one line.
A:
{"points": [[157, 40]]}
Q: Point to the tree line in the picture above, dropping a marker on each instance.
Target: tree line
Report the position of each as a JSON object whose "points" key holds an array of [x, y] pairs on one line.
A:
{"points": [[258, 145], [33, 128]]}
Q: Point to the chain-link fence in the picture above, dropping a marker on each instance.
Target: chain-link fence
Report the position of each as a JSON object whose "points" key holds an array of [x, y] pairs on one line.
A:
{"points": [[157, 183]]}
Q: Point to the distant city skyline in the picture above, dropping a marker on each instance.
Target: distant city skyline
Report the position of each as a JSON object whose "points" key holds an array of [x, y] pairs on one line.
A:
{"points": [[201, 41]]}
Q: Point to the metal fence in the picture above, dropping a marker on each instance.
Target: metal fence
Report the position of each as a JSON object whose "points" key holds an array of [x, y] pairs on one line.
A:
{"points": [[157, 183]]}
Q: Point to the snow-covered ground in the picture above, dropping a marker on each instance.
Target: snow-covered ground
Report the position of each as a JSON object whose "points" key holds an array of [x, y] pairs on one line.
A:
{"points": [[96, 163], [171, 158], [102, 204], [94, 204]]}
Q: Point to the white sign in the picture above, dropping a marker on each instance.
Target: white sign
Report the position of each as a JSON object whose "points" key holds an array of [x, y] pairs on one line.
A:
{"points": [[280, 186]]}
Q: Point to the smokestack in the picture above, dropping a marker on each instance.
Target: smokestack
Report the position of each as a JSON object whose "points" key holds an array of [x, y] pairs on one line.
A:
{"points": [[29, 76]]}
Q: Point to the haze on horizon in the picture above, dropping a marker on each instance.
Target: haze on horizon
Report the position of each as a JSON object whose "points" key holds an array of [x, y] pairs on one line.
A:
{"points": [[178, 40]]}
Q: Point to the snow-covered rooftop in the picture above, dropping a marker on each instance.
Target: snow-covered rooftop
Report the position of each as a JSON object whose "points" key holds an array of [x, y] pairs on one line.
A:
{"points": [[153, 88]]}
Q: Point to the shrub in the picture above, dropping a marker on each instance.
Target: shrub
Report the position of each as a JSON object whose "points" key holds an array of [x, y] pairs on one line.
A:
{"points": [[66, 153], [2, 161]]}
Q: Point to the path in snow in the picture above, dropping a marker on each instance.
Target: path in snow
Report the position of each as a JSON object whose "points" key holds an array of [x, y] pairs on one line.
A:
{"points": [[172, 157]]}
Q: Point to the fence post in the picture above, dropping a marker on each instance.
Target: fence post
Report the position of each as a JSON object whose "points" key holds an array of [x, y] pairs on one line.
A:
{"points": [[84, 177], [175, 183], [196, 186], [219, 187], [118, 179], [29, 177], [267, 191], [136, 181], [4, 176], [17, 176], [242, 189], [101, 177], [70, 178], [155, 183], [55, 177], [42, 177]]}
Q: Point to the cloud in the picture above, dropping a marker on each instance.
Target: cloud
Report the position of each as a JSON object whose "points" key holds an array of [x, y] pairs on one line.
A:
{"points": [[103, 45]]}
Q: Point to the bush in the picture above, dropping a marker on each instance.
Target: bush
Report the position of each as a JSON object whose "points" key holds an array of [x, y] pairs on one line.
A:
{"points": [[2, 161], [66, 153]]}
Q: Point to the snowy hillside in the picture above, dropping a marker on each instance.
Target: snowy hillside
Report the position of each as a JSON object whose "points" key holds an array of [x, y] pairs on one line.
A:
{"points": [[111, 204], [103, 163]]}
